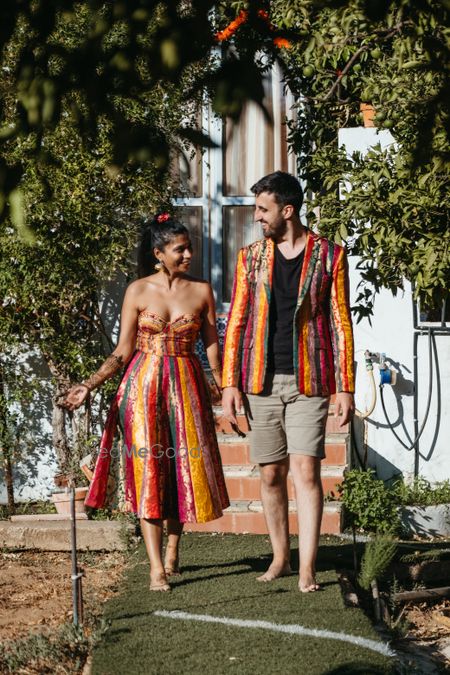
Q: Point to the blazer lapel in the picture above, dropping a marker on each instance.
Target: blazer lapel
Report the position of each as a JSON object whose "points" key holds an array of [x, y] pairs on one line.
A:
{"points": [[312, 250], [267, 262]]}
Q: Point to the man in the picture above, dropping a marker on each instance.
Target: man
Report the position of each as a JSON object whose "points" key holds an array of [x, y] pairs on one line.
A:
{"points": [[288, 347]]}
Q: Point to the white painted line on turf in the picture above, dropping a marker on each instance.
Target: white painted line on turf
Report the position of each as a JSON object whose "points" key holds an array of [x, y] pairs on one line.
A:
{"points": [[292, 628]]}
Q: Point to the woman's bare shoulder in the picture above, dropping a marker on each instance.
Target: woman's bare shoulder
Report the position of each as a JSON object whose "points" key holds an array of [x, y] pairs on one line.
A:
{"points": [[196, 282], [139, 285], [200, 287]]}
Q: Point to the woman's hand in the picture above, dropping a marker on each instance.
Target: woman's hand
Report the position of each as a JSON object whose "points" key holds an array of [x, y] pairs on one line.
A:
{"points": [[75, 397]]}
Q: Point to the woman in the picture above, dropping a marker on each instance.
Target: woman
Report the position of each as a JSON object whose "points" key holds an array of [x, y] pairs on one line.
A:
{"points": [[173, 470]]}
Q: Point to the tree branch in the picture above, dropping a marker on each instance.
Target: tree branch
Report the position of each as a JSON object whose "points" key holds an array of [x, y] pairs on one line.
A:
{"points": [[356, 56], [344, 71]]}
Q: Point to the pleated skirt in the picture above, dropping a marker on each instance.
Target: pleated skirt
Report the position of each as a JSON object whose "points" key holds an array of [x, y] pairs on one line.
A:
{"points": [[169, 451]]}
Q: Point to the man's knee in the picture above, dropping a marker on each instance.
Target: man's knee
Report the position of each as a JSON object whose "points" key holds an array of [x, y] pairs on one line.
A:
{"points": [[306, 470], [273, 475]]}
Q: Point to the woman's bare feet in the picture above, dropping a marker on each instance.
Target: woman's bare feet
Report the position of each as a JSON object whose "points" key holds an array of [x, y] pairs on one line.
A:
{"points": [[171, 562], [158, 581], [276, 571]]}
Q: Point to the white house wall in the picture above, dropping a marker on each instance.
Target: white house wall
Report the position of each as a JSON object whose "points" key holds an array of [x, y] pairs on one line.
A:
{"points": [[34, 462], [392, 332]]}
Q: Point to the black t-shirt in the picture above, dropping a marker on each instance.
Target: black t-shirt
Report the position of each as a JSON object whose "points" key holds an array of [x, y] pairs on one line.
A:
{"points": [[283, 301]]}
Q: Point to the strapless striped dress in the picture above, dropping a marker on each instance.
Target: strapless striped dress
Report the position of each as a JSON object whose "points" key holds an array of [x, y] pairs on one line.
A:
{"points": [[171, 460]]}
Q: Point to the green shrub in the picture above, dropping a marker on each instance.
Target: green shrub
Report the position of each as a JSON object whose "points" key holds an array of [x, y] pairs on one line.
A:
{"points": [[378, 555], [372, 507], [421, 493], [33, 506]]}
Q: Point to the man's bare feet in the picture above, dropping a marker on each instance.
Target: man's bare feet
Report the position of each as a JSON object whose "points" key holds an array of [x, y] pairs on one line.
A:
{"points": [[308, 585], [158, 582], [275, 572]]}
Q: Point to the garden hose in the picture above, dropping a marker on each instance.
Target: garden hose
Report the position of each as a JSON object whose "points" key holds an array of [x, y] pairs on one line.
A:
{"points": [[430, 392], [362, 461], [354, 446], [369, 369]]}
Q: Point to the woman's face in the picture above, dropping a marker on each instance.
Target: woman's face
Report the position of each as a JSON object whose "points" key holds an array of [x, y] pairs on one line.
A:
{"points": [[177, 254]]}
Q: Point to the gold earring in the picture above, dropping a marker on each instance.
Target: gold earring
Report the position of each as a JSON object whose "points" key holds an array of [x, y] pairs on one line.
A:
{"points": [[158, 266]]}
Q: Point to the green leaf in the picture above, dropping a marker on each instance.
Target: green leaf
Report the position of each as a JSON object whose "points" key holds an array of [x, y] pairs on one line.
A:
{"points": [[343, 231], [310, 46]]}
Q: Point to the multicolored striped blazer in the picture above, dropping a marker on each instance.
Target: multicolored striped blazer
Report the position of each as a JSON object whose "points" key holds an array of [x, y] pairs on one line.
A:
{"points": [[323, 336]]}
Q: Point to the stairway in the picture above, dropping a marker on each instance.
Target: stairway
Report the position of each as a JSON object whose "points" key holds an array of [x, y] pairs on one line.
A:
{"points": [[242, 478]]}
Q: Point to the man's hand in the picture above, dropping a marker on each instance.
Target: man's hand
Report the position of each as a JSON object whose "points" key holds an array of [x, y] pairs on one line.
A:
{"points": [[345, 404], [231, 403]]}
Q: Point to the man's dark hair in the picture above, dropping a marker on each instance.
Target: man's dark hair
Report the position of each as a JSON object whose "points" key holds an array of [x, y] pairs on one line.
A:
{"points": [[283, 186]]}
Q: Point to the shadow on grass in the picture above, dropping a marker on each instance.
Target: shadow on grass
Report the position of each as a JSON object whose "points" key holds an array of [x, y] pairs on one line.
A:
{"points": [[252, 567], [255, 566], [180, 581], [329, 557], [338, 557]]}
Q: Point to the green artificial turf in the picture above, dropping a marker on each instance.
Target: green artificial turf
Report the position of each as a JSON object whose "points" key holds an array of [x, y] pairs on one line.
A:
{"points": [[218, 579]]}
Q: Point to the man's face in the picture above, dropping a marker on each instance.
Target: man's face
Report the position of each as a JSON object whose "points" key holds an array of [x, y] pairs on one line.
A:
{"points": [[270, 215]]}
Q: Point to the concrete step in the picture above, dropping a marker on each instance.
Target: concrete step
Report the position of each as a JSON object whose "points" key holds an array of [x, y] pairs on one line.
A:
{"points": [[46, 517], [54, 535], [243, 481], [234, 450], [247, 517]]}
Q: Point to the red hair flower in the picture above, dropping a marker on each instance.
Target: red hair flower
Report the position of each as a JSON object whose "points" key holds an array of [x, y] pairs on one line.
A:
{"points": [[163, 217]]}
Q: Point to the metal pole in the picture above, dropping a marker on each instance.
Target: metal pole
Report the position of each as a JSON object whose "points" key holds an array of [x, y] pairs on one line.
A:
{"points": [[76, 575], [416, 403]]}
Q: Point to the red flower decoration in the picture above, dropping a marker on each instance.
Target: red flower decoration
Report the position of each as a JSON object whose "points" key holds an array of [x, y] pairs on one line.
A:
{"points": [[282, 42], [241, 18], [163, 217], [232, 27]]}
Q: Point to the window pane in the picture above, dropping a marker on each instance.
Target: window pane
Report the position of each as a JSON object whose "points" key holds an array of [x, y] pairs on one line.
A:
{"points": [[239, 229], [438, 315], [253, 147], [191, 216], [186, 172]]}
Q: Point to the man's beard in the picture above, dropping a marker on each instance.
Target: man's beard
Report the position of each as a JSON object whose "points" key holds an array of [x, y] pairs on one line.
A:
{"points": [[275, 232]]}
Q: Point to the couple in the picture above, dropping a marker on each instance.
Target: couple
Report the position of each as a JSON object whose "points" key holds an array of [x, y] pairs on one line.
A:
{"points": [[288, 347]]}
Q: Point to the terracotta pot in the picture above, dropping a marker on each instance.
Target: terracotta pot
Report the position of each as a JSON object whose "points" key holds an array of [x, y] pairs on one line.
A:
{"points": [[61, 500], [368, 113], [61, 480]]}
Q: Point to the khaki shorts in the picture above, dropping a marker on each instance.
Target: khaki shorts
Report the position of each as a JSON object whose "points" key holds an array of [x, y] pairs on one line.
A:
{"points": [[283, 422]]}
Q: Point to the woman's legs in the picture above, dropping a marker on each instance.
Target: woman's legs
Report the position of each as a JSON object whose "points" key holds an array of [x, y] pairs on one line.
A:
{"points": [[152, 531], [171, 562]]}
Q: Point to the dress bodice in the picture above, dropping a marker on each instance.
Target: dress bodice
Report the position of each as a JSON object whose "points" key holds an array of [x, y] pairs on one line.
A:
{"points": [[157, 336]]}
